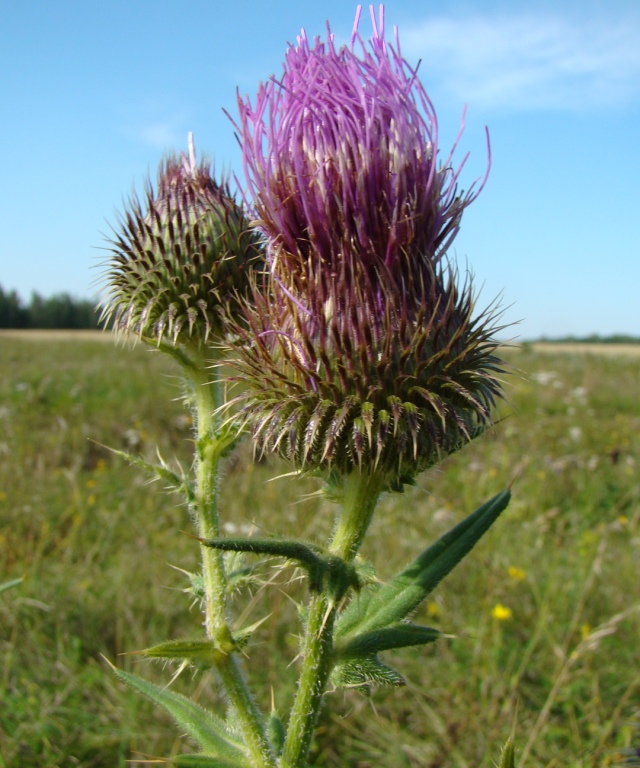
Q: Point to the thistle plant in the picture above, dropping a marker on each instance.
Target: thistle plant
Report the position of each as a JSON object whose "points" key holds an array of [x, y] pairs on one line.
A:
{"points": [[358, 353], [179, 266]]}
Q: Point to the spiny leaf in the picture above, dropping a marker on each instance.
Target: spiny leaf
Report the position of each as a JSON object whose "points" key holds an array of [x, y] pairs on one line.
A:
{"points": [[161, 472], [324, 571], [276, 732], [197, 583], [397, 636], [218, 444], [403, 594], [201, 652], [363, 672], [207, 730], [206, 761], [293, 550], [242, 636], [178, 354], [241, 573], [508, 755]]}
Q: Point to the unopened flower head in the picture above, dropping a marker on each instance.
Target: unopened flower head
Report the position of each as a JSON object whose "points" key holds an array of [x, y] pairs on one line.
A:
{"points": [[180, 262], [366, 353]]}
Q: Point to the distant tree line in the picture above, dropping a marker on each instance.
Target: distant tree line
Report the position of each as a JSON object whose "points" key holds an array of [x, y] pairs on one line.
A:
{"points": [[58, 311], [594, 338]]}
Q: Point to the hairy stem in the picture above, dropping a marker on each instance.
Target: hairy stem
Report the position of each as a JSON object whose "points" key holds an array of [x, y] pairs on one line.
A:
{"points": [[207, 398], [361, 493]]}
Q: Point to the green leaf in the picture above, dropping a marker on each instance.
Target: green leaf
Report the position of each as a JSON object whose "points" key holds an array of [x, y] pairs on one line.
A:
{"points": [[239, 573], [276, 732], [159, 471], [217, 444], [197, 584], [397, 636], [293, 550], [242, 636], [207, 730], [326, 572], [403, 594], [10, 584], [194, 651], [508, 755], [178, 354], [364, 672], [205, 761]]}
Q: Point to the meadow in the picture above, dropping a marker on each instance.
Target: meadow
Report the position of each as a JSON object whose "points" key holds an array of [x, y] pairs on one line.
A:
{"points": [[542, 619]]}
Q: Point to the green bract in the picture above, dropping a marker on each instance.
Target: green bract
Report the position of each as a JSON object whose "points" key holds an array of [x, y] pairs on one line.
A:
{"points": [[354, 375]]}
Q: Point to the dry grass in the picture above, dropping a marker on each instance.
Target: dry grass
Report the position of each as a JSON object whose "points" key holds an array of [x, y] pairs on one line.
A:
{"points": [[92, 540], [609, 350], [543, 347], [42, 334]]}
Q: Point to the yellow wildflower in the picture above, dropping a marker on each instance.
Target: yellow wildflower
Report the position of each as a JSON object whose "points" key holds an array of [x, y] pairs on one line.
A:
{"points": [[517, 574], [501, 612]]}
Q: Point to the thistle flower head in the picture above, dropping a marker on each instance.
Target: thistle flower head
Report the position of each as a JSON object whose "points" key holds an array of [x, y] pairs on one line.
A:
{"points": [[354, 379], [180, 261], [341, 156], [365, 353]]}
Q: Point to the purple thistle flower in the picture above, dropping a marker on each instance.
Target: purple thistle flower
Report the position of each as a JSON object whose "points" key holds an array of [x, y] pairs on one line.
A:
{"points": [[341, 157], [179, 263], [364, 354]]}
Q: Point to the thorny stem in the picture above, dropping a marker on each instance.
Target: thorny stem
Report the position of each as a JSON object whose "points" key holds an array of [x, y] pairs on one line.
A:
{"points": [[207, 397], [361, 493]]}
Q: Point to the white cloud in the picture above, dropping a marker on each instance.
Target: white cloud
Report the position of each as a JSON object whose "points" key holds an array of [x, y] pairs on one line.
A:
{"points": [[529, 61]]}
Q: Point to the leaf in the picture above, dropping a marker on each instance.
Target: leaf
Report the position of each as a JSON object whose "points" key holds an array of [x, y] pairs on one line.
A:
{"points": [[276, 732], [10, 584], [218, 444], [160, 471], [398, 636], [306, 554], [403, 594], [508, 755], [326, 572], [205, 761], [197, 583], [240, 573], [195, 651], [357, 663], [207, 730], [363, 672], [242, 636]]}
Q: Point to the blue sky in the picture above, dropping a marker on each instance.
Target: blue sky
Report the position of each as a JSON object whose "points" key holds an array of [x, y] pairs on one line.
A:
{"points": [[93, 94]]}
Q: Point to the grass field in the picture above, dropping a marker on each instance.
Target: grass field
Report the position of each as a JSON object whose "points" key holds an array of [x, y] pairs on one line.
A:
{"points": [[543, 615]]}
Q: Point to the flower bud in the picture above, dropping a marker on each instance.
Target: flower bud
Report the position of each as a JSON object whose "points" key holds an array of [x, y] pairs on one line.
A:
{"points": [[180, 262]]}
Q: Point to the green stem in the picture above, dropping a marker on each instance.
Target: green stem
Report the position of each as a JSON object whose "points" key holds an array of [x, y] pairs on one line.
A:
{"points": [[361, 493], [208, 398]]}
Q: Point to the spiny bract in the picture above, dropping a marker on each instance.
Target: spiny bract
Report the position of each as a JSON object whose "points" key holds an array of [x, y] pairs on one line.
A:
{"points": [[179, 264], [365, 352]]}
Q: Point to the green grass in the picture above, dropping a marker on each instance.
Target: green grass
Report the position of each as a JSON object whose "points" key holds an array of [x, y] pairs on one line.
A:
{"points": [[94, 543]]}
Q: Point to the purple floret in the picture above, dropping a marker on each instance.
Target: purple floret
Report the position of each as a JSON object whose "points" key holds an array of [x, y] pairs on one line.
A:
{"points": [[341, 159]]}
